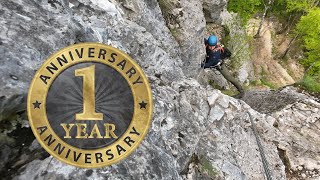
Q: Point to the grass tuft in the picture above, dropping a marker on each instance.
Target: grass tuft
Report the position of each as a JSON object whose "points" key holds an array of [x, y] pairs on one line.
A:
{"points": [[310, 83]]}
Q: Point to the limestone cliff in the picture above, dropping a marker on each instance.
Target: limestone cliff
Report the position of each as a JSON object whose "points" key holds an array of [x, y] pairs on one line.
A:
{"points": [[196, 133]]}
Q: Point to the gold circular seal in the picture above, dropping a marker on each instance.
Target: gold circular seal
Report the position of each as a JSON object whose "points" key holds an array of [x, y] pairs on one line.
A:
{"points": [[90, 105]]}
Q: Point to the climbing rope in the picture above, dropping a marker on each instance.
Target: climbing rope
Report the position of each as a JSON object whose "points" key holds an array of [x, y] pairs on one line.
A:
{"points": [[261, 150]]}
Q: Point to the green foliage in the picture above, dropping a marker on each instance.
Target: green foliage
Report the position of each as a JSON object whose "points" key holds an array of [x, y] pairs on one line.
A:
{"points": [[298, 5], [264, 81], [175, 32], [267, 83], [282, 8], [260, 83], [279, 6], [225, 40], [229, 92], [214, 85], [240, 51], [255, 83], [245, 9], [309, 29], [279, 9], [166, 7], [286, 7], [311, 83], [206, 167]]}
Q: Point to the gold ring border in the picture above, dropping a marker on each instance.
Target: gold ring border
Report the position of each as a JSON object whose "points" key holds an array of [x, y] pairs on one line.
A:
{"points": [[149, 106]]}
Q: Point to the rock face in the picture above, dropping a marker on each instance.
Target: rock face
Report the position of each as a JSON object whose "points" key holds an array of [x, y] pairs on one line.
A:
{"points": [[300, 124], [194, 135], [196, 132], [239, 46], [187, 25], [212, 10], [297, 117]]}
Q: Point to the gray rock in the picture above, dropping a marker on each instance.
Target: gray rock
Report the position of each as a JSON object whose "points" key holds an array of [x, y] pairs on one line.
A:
{"points": [[212, 97], [239, 46], [196, 131], [212, 10], [187, 25], [216, 113], [264, 101], [299, 123]]}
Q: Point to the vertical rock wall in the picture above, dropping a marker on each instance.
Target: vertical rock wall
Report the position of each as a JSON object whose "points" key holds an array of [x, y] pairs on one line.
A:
{"points": [[196, 132]]}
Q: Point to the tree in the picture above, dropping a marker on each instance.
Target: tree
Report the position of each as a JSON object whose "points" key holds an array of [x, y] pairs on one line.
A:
{"points": [[309, 29], [266, 8], [301, 5], [245, 9], [295, 9]]}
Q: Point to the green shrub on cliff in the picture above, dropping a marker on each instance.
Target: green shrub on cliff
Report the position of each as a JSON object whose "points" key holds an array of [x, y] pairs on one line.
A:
{"points": [[309, 29], [245, 9], [310, 83]]}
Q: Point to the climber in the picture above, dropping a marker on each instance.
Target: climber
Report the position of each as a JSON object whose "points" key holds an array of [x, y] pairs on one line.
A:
{"points": [[216, 53]]}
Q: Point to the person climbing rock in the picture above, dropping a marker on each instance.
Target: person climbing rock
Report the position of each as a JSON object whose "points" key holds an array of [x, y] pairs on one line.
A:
{"points": [[216, 53]]}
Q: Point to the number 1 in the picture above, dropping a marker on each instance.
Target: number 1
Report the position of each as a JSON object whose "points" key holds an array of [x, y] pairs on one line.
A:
{"points": [[89, 103]]}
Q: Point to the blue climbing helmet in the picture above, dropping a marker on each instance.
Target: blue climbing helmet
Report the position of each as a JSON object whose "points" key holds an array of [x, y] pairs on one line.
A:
{"points": [[212, 40]]}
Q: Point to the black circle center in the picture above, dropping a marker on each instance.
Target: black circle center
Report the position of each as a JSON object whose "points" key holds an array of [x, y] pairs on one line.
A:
{"points": [[113, 98]]}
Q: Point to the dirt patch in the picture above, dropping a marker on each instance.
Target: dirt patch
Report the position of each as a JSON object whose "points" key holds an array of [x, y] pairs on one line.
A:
{"points": [[267, 50]]}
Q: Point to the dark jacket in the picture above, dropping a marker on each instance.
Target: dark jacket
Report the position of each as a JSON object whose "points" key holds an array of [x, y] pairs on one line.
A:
{"points": [[215, 56]]}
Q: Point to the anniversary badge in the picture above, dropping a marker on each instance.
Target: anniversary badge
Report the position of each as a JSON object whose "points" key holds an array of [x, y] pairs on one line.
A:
{"points": [[90, 105]]}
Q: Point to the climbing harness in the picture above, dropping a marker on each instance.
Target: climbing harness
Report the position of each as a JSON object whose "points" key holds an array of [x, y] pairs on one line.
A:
{"points": [[261, 150], [215, 67]]}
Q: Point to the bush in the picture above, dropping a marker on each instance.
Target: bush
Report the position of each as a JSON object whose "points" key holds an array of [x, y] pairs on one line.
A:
{"points": [[245, 9], [311, 83], [309, 27]]}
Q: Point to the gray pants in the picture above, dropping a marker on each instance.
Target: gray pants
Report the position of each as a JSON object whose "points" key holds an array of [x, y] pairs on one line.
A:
{"points": [[226, 74]]}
